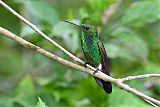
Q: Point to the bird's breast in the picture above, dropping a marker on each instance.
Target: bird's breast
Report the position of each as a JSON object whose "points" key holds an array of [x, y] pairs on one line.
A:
{"points": [[91, 52]]}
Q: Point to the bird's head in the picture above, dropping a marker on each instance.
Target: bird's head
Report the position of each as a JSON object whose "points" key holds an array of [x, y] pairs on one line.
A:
{"points": [[86, 28]]}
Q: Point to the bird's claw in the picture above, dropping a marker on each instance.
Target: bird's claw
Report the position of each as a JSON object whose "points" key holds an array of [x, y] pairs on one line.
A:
{"points": [[96, 71], [85, 64]]}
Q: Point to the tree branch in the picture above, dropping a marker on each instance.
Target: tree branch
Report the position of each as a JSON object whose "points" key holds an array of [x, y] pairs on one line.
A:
{"points": [[129, 78], [99, 75]]}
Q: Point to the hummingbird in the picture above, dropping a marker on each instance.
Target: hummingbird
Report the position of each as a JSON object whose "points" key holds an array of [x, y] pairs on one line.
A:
{"points": [[94, 52]]}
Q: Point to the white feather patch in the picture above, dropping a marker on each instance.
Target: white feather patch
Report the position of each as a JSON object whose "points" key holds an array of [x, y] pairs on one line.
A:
{"points": [[100, 67]]}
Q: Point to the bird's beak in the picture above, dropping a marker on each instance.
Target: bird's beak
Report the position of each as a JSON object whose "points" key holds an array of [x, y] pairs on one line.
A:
{"points": [[72, 23]]}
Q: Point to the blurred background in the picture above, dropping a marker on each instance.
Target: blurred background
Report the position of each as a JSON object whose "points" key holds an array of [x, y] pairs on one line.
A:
{"points": [[129, 29]]}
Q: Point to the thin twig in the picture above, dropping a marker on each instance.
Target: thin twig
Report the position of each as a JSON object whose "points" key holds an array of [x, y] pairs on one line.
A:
{"points": [[99, 75], [151, 103], [129, 78]]}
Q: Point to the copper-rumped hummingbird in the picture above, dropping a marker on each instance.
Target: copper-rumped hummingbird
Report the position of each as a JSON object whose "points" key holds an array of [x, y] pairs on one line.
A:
{"points": [[94, 52]]}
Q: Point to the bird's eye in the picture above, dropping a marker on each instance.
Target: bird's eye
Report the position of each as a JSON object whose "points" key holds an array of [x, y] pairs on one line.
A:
{"points": [[87, 28]]}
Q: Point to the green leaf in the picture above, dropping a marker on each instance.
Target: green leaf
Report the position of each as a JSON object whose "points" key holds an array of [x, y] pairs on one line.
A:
{"points": [[150, 67], [93, 12], [127, 44], [26, 30], [40, 103], [25, 92], [13, 60], [142, 12], [89, 89], [8, 20], [6, 102], [41, 10], [68, 33], [83, 13], [100, 5]]}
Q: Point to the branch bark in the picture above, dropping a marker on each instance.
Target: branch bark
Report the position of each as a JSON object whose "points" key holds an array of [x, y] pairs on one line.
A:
{"points": [[99, 74]]}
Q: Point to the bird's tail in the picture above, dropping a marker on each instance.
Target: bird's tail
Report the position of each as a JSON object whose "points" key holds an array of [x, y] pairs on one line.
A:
{"points": [[107, 86]]}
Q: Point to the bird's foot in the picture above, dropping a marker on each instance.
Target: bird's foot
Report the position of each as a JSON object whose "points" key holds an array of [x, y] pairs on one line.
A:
{"points": [[85, 64], [97, 69]]}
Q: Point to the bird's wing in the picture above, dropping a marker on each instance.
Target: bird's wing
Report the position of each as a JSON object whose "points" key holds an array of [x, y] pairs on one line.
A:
{"points": [[107, 86], [105, 62]]}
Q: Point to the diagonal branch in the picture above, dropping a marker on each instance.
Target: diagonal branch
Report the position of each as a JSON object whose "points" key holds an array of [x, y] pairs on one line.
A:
{"points": [[100, 75]]}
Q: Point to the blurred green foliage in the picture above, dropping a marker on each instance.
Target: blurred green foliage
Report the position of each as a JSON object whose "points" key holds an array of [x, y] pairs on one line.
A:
{"points": [[40, 103], [131, 38]]}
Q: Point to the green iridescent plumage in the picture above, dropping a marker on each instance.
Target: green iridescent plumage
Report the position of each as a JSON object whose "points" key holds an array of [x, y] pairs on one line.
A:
{"points": [[90, 48], [94, 52]]}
